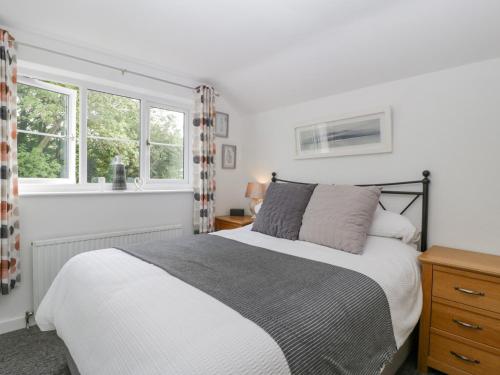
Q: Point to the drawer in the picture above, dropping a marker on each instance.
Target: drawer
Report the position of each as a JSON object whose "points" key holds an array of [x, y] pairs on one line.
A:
{"points": [[476, 327], [463, 357], [475, 292]]}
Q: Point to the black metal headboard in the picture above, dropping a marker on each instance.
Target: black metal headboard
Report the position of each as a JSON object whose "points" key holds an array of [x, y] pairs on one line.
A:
{"points": [[424, 193]]}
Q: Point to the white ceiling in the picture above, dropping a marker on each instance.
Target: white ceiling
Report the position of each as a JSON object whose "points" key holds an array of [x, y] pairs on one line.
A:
{"points": [[269, 53]]}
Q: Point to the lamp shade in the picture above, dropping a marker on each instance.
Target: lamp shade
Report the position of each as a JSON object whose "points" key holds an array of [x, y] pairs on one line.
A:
{"points": [[255, 190]]}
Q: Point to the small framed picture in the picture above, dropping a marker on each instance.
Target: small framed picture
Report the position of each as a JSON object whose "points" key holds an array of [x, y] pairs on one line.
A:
{"points": [[228, 157], [221, 125]]}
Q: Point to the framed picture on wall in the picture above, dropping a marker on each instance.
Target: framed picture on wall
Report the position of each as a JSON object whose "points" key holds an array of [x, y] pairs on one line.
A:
{"points": [[221, 125], [228, 157], [368, 132]]}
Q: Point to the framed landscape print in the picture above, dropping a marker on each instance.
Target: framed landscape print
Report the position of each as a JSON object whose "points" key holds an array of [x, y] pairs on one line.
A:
{"points": [[228, 157], [221, 125], [369, 132]]}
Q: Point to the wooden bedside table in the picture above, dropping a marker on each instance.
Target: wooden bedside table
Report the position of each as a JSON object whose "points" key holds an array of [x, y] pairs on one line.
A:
{"points": [[232, 222], [460, 322]]}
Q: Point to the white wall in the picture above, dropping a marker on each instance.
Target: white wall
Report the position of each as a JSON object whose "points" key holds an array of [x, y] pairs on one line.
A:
{"points": [[447, 122], [53, 216], [231, 183]]}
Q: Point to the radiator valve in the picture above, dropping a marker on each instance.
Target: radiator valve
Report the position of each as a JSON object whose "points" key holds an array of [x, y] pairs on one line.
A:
{"points": [[27, 317]]}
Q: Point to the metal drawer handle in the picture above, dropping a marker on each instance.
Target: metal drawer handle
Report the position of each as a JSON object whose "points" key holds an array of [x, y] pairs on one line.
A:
{"points": [[468, 291], [467, 325], [464, 358]]}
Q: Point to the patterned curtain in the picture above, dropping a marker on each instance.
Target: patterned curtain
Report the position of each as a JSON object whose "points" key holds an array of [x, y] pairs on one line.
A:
{"points": [[204, 160], [9, 230]]}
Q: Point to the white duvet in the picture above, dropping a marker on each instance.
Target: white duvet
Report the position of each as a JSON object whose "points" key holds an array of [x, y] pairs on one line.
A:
{"points": [[120, 315]]}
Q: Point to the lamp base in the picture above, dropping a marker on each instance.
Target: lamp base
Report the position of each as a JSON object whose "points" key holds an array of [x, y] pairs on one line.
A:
{"points": [[254, 202]]}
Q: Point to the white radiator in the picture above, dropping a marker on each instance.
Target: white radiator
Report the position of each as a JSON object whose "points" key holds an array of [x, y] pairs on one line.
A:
{"points": [[50, 255]]}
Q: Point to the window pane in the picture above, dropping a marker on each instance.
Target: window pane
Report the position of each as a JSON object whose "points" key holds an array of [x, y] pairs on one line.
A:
{"points": [[41, 110], [113, 116], [41, 156], [76, 89], [41, 113], [100, 154], [166, 126], [166, 162], [166, 158]]}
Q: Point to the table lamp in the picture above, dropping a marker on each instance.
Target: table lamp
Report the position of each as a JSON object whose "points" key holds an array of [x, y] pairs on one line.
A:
{"points": [[255, 191]]}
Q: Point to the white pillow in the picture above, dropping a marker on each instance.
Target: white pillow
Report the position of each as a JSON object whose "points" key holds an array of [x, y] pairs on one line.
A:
{"points": [[257, 208], [390, 224]]}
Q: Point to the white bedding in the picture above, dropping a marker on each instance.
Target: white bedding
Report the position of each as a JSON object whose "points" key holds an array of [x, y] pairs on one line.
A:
{"points": [[120, 315]]}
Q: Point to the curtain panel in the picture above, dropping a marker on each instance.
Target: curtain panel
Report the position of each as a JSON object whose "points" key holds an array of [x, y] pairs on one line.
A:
{"points": [[9, 214], [204, 160]]}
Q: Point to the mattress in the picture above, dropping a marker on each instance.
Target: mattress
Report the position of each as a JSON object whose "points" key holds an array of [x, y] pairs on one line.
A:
{"points": [[390, 369], [120, 315]]}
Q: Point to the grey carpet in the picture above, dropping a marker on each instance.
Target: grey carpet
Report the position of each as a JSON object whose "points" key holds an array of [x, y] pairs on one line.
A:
{"points": [[31, 352], [42, 353]]}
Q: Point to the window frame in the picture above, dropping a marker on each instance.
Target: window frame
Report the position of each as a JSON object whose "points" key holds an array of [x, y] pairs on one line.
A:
{"points": [[147, 99], [139, 141], [147, 155], [70, 136]]}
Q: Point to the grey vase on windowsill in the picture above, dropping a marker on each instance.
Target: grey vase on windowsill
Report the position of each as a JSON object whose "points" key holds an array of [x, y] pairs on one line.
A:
{"points": [[119, 174]]}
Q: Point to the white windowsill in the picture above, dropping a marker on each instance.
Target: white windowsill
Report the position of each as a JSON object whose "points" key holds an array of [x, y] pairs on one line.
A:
{"points": [[116, 193], [28, 190]]}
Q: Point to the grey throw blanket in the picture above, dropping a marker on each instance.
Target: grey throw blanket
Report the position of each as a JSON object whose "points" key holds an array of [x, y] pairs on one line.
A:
{"points": [[326, 319]]}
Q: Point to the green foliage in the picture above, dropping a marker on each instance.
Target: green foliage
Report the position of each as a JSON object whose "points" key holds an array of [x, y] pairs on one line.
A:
{"points": [[39, 110], [113, 128], [112, 117], [36, 164], [166, 126], [100, 156], [166, 155], [166, 162]]}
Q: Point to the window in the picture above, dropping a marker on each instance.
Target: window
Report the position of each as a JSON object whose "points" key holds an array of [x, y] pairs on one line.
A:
{"points": [[166, 144], [70, 133], [113, 128], [46, 116]]}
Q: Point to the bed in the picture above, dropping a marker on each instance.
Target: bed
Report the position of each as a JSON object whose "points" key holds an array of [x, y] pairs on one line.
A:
{"points": [[123, 314]]}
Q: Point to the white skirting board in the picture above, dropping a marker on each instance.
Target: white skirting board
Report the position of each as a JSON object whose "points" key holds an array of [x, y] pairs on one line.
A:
{"points": [[50, 255], [12, 324]]}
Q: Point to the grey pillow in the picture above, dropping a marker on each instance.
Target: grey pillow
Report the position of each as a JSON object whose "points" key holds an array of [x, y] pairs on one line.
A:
{"points": [[339, 216], [281, 213]]}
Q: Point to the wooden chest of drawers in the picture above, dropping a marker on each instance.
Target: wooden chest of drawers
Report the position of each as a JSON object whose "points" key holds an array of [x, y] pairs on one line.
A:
{"points": [[460, 322]]}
